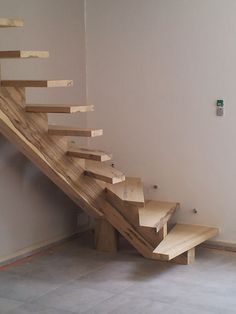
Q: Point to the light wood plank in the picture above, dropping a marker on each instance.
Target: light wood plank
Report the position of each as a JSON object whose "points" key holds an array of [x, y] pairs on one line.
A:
{"points": [[155, 214], [36, 83], [182, 238], [29, 134], [130, 191], [130, 213], [11, 22], [186, 258], [106, 236], [103, 172], [73, 131], [58, 108], [15, 54], [79, 152]]}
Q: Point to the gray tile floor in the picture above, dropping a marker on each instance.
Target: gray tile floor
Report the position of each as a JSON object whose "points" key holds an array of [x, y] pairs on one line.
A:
{"points": [[74, 278]]}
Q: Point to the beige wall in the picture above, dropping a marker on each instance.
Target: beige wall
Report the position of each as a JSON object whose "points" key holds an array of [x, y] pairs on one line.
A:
{"points": [[155, 70], [33, 211]]}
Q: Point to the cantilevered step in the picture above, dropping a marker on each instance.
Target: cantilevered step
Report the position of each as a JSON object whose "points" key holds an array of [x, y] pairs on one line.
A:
{"points": [[73, 131], [103, 172], [58, 108], [183, 238], [130, 191], [156, 214], [84, 153], [18, 54], [36, 83], [6, 22]]}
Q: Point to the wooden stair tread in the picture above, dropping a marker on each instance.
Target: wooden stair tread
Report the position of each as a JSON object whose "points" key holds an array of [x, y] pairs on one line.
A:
{"points": [[155, 214], [58, 108], [103, 172], [23, 54], [36, 83], [9, 22], [130, 191], [182, 238], [73, 131], [75, 151]]}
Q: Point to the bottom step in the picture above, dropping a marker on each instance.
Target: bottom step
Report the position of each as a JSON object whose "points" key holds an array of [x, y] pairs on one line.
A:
{"points": [[183, 238]]}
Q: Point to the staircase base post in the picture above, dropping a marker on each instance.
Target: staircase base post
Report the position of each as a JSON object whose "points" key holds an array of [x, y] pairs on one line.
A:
{"points": [[185, 258], [106, 236]]}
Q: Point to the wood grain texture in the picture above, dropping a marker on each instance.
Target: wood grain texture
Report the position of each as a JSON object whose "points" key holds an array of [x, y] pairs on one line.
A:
{"points": [[73, 131], [36, 83], [18, 54], [156, 214], [130, 191], [182, 238], [130, 213], [58, 108], [106, 236], [29, 133], [186, 258], [80, 152], [103, 172], [11, 22]]}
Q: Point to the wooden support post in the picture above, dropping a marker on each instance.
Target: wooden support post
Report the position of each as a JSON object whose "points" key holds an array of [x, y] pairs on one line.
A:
{"points": [[106, 236], [163, 232], [185, 258]]}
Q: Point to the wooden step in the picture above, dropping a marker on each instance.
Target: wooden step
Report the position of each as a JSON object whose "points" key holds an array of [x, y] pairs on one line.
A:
{"points": [[58, 108], [130, 191], [6, 22], [103, 172], [15, 54], [75, 151], [156, 214], [36, 83], [73, 131], [182, 238]]}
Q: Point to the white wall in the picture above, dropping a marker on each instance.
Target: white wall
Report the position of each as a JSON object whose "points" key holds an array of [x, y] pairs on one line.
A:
{"points": [[33, 211], [155, 70]]}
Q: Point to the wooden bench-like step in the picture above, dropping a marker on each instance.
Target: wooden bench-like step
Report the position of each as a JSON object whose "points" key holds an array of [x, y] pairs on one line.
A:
{"points": [[73, 131], [36, 83], [15, 54], [182, 238], [130, 191], [6, 22], [84, 153], [103, 172], [58, 108], [156, 214]]}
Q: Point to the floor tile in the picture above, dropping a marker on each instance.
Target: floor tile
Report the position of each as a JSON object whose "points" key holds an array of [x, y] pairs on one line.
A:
{"points": [[6, 305], [123, 304], [22, 288], [74, 299], [30, 308]]}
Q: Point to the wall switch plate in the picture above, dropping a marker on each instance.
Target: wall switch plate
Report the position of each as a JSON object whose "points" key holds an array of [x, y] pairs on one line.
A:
{"points": [[220, 111], [220, 107]]}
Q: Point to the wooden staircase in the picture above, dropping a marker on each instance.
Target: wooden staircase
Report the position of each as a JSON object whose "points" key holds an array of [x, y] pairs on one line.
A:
{"points": [[117, 203]]}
